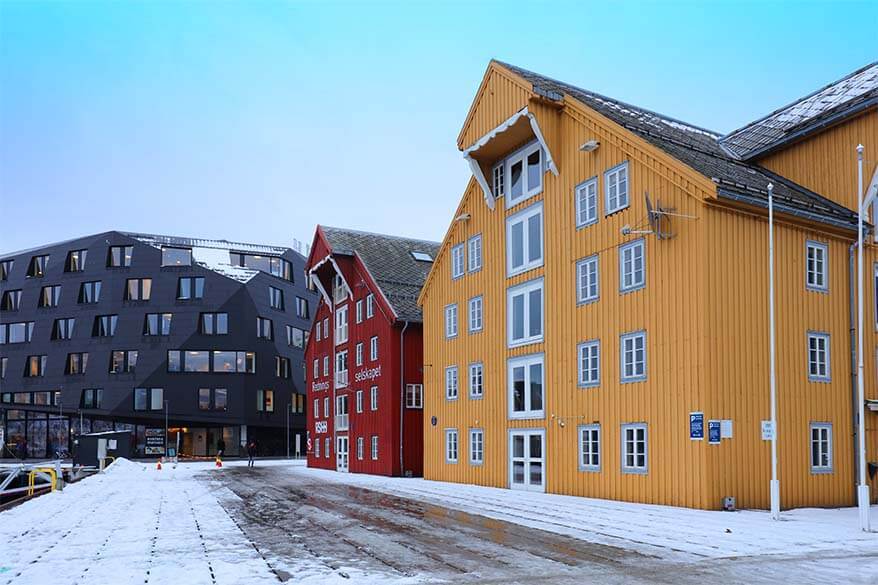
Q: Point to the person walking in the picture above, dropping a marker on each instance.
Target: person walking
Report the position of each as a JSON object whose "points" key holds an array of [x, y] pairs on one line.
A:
{"points": [[220, 447], [251, 452]]}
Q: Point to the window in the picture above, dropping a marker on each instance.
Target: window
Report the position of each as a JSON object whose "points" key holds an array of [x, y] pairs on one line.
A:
{"points": [[122, 361], [633, 356], [75, 261], [326, 407], [498, 177], [264, 329], [326, 327], [281, 366], [37, 266], [155, 324], [360, 311], [589, 364], [616, 188], [90, 292], [457, 253], [91, 398], [317, 447], [475, 314], [215, 399], [451, 321], [360, 442], [817, 266], [451, 386], [271, 264], [374, 447], [476, 380], [176, 257], [341, 325], [450, 445], [104, 326], [524, 240], [524, 305], [214, 323], [524, 174], [50, 296], [149, 399], [302, 308], [295, 337], [35, 366], [326, 447], [632, 273], [276, 298], [422, 256], [359, 354], [4, 363], [190, 287], [316, 408], [590, 447], [414, 396], [316, 369], [474, 253], [370, 305], [476, 446], [821, 448], [63, 328], [634, 448], [76, 363], [119, 256], [196, 361], [265, 402], [11, 300], [587, 280], [818, 357], [326, 365], [16, 332], [373, 398], [359, 401], [373, 348], [138, 289], [6, 268], [587, 203], [339, 289], [341, 369], [526, 385]]}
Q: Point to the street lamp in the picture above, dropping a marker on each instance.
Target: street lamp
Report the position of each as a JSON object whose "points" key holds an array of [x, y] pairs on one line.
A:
{"points": [[289, 410], [166, 428]]}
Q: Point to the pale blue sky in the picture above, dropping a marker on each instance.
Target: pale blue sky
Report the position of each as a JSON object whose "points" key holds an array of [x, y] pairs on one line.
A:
{"points": [[255, 121]]}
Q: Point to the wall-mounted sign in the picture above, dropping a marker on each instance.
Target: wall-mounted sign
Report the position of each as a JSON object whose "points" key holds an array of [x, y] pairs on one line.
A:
{"points": [[155, 441], [320, 426], [713, 432], [367, 374], [696, 426], [767, 430], [317, 386], [725, 429]]}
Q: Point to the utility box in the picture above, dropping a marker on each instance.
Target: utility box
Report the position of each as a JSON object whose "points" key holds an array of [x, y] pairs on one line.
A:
{"points": [[91, 448]]}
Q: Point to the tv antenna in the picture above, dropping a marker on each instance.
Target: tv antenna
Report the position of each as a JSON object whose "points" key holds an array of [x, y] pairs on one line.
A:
{"points": [[659, 219]]}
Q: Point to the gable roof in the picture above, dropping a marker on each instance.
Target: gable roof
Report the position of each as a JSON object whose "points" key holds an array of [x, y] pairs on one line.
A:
{"points": [[700, 149], [848, 96], [391, 264]]}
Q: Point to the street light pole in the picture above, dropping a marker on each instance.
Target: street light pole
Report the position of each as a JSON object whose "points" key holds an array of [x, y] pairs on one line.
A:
{"points": [[289, 409], [862, 487], [774, 485], [166, 428]]}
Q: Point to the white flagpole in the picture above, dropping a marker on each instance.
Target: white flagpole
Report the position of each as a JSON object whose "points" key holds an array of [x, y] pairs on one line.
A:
{"points": [[863, 487], [774, 486]]}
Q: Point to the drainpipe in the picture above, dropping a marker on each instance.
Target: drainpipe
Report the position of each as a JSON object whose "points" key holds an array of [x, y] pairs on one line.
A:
{"points": [[402, 395], [853, 342]]}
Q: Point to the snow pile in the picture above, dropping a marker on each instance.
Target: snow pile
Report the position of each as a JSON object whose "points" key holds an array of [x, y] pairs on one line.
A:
{"points": [[122, 465]]}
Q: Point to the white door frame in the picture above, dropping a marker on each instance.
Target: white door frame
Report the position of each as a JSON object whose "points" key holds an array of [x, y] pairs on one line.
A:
{"points": [[527, 460], [342, 456]]}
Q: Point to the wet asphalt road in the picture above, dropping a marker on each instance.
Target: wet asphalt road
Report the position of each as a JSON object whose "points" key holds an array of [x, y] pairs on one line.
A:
{"points": [[349, 533]]}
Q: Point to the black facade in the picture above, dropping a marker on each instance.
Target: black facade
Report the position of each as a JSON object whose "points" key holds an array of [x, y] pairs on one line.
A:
{"points": [[208, 334]]}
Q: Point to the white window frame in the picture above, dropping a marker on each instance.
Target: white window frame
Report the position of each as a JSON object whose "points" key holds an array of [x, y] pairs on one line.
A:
{"points": [[476, 446], [317, 447], [452, 446], [526, 362], [525, 289], [373, 348], [623, 352], [474, 253], [370, 306], [498, 176], [326, 365], [590, 290], [359, 315], [586, 193], [824, 339], [823, 427], [452, 383], [476, 314], [476, 380], [414, 396], [593, 379], [611, 178], [360, 444], [341, 325], [317, 328], [373, 398], [637, 469], [624, 250], [359, 399], [327, 445], [316, 408], [458, 265], [451, 321], [326, 407], [815, 269], [587, 456], [359, 353], [527, 190], [316, 368], [523, 217], [374, 448]]}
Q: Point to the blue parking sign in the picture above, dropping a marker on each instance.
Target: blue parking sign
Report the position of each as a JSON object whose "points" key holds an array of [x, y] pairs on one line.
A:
{"points": [[696, 426], [713, 432]]}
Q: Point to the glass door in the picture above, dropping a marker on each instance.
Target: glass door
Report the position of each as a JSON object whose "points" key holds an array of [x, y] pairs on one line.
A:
{"points": [[341, 454], [527, 460]]}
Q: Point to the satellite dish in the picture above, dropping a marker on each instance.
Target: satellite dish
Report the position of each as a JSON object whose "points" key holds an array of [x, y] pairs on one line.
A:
{"points": [[659, 219]]}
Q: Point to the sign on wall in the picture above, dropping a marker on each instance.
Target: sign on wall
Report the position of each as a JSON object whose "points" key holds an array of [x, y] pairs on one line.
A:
{"points": [[155, 442], [320, 426], [713, 432], [767, 430], [367, 374], [696, 426]]}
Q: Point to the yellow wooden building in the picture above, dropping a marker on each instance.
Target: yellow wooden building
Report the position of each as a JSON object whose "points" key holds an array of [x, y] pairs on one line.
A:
{"points": [[596, 321]]}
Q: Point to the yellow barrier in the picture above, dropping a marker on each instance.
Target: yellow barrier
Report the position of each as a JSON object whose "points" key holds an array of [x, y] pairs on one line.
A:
{"points": [[32, 479]]}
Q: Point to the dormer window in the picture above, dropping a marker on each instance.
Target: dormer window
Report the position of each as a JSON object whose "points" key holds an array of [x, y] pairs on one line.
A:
{"points": [[176, 257]]}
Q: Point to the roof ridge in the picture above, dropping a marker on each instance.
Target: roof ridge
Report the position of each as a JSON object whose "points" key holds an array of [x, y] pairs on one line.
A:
{"points": [[380, 235], [230, 244]]}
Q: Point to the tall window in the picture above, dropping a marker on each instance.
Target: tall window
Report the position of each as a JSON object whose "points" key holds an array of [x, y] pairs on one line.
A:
{"points": [[476, 380], [295, 337], [90, 292], [341, 369], [450, 445], [75, 261], [821, 447], [264, 329], [587, 203], [590, 447], [373, 348], [475, 314], [414, 396], [6, 268], [265, 401], [616, 188], [215, 399], [373, 398], [634, 448], [817, 266], [37, 266], [498, 178], [281, 366], [339, 290], [524, 240], [474, 253], [276, 298], [359, 401], [370, 305], [119, 256], [526, 387], [360, 311], [587, 280], [374, 448], [457, 254], [176, 257], [104, 326], [590, 363], [11, 300], [317, 447], [451, 388], [214, 323], [138, 289], [326, 365], [63, 328], [818, 357], [476, 446], [50, 296], [359, 354], [35, 366], [523, 174], [76, 363], [149, 399], [633, 356], [157, 324], [451, 321], [190, 287], [632, 273], [341, 325], [122, 361], [524, 307], [302, 308], [360, 442], [91, 398]]}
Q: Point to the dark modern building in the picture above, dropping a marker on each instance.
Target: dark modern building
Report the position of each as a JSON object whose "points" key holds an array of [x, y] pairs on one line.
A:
{"points": [[124, 331]]}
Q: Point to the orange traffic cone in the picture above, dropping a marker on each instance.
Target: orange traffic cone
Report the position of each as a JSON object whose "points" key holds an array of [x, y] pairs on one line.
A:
{"points": [[219, 462], [158, 465]]}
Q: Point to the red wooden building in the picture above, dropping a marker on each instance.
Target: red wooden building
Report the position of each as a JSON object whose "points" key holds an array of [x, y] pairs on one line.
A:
{"points": [[364, 357]]}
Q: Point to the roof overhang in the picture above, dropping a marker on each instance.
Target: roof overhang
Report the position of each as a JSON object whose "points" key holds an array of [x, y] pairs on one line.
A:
{"points": [[315, 278], [516, 130]]}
